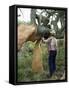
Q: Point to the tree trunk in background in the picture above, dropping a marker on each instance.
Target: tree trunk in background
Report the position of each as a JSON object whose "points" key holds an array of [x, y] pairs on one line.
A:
{"points": [[33, 15]]}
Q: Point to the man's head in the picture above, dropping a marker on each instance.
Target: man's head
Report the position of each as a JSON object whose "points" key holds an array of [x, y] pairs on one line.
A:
{"points": [[47, 35]]}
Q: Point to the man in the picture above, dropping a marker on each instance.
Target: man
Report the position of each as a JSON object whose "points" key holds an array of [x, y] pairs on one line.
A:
{"points": [[52, 48]]}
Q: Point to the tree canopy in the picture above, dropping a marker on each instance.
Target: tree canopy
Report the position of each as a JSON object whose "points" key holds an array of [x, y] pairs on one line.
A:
{"points": [[48, 18]]}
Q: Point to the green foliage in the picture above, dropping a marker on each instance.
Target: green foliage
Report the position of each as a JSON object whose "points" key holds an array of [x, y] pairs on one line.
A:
{"points": [[60, 42], [60, 61], [20, 22], [23, 22], [41, 30], [25, 63], [58, 15]]}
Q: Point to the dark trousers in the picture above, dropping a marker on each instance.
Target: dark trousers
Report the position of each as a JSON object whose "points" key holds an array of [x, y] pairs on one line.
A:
{"points": [[52, 61]]}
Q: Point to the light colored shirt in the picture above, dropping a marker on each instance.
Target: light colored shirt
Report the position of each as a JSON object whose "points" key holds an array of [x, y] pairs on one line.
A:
{"points": [[52, 43]]}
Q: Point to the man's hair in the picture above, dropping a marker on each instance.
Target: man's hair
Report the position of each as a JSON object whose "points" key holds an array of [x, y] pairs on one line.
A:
{"points": [[47, 35]]}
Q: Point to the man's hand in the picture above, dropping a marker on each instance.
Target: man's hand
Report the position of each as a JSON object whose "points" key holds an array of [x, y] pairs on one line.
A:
{"points": [[43, 40]]}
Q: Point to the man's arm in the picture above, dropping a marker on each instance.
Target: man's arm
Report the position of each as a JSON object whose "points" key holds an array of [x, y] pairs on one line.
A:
{"points": [[46, 41]]}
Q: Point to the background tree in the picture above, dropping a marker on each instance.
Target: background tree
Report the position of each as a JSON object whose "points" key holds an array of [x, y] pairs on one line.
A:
{"points": [[48, 19]]}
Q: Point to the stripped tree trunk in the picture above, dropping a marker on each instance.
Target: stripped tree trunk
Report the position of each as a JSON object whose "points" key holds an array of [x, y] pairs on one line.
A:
{"points": [[37, 59], [24, 32], [29, 33]]}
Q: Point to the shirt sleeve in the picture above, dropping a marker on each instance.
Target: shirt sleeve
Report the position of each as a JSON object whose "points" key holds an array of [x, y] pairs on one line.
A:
{"points": [[47, 40]]}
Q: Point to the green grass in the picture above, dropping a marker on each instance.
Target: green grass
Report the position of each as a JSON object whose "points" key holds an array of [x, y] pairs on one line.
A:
{"points": [[25, 63]]}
